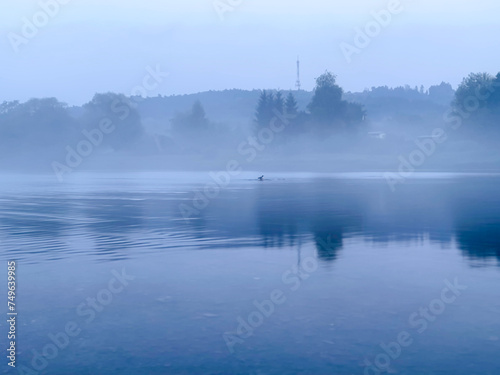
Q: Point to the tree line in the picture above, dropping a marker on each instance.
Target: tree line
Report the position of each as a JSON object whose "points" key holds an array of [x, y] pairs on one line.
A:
{"points": [[47, 126], [327, 111]]}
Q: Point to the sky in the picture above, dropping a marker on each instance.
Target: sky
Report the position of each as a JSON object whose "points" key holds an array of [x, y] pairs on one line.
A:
{"points": [[71, 49]]}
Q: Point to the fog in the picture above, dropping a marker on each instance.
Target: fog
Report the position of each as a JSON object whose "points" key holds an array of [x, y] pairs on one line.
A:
{"points": [[400, 130], [192, 86], [250, 186]]}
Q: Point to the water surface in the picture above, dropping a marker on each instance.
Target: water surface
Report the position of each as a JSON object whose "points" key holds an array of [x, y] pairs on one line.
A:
{"points": [[351, 260]]}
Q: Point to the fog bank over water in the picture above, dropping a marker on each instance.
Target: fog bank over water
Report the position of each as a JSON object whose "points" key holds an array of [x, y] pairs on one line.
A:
{"points": [[250, 186], [287, 86], [398, 130]]}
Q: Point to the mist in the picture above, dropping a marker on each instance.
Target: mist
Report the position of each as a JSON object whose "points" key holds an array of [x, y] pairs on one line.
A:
{"points": [[397, 130], [250, 187]]}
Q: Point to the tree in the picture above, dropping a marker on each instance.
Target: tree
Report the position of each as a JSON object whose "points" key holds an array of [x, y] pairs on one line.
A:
{"points": [[42, 126], [477, 101], [265, 106], [353, 113], [193, 123], [120, 113], [474, 87], [291, 107], [279, 102], [7, 107], [198, 116], [325, 106], [442, 94], [494, 99], [194, 133]]}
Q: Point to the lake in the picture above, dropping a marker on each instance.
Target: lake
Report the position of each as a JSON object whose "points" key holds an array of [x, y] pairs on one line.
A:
{"points": [[161, 273]]}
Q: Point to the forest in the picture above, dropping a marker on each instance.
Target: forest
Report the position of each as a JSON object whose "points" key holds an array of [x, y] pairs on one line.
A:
{"points": [[275, 129]]}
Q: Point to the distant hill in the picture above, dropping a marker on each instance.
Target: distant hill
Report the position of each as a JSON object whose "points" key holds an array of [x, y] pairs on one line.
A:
{"points": [[228, 106], [237, 107]]}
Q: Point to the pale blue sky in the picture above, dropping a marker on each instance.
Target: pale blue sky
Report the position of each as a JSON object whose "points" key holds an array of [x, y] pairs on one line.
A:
{"points": [[92, 45]]}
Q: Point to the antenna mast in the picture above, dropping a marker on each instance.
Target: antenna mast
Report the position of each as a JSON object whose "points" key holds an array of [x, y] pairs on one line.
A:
{"points": [[297, 84]]}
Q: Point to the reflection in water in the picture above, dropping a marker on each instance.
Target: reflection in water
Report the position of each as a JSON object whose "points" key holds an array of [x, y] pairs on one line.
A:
{"points": [[279, 224], [117, 221], [476, 218], [194, 278]]}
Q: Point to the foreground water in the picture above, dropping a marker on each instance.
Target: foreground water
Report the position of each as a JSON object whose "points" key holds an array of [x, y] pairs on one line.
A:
{"points": [[330, 274]]}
